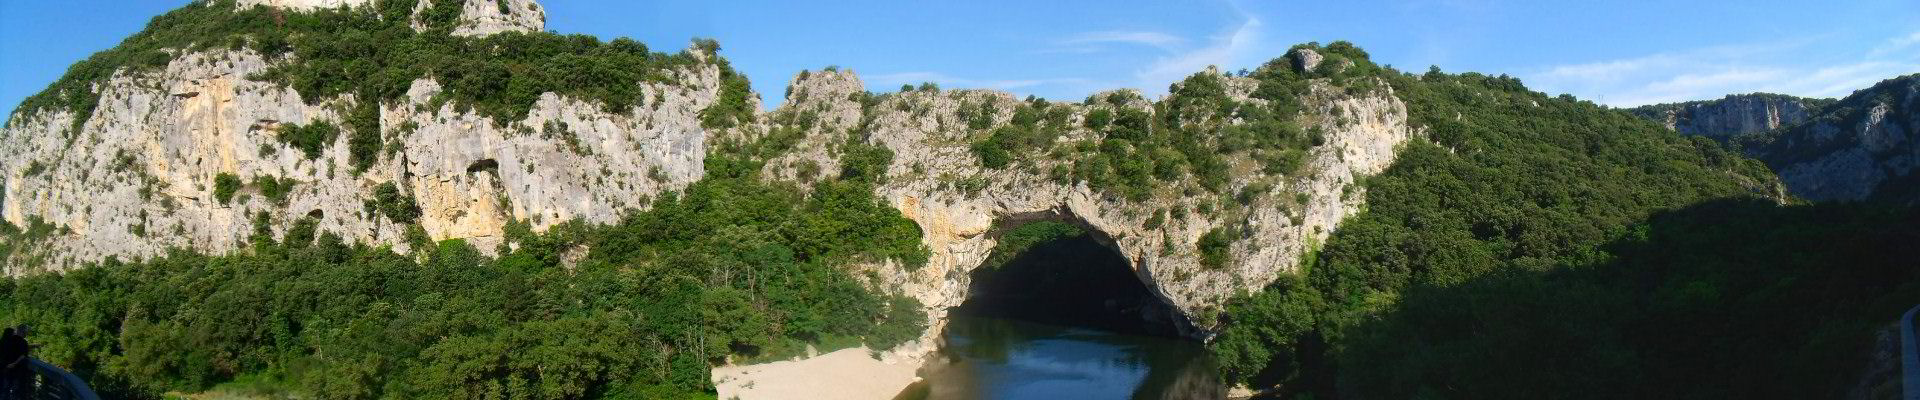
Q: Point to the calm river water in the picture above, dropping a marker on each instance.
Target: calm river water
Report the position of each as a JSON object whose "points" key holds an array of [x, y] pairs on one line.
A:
{"points": [[995, 358]]}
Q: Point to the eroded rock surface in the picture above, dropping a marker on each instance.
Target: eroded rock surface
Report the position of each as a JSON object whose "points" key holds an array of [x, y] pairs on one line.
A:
{"points": [[1734, 115], [1865, 146], [138, 177], [936, 180]]}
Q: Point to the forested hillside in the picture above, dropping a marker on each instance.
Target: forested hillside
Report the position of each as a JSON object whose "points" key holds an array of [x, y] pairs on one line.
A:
{"points": [[1546, 247], [733, 267]]}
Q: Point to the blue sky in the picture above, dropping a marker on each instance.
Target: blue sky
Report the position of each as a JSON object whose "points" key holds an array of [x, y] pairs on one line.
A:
{"points": [[1622, 53]]}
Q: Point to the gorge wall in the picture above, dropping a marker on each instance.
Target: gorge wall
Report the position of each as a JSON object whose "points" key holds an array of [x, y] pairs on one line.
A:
{"points": [[139, 174], [191, 155], [1733, 115], [1866, 146], [936, 180], [1861, 147]]}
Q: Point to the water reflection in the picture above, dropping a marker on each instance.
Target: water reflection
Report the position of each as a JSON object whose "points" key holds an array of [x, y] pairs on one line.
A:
{"points": [[993, 358]]}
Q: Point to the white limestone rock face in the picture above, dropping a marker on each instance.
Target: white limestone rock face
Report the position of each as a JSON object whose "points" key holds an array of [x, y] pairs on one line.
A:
{"points": [[477, 17], [137, 177], [486, 17], [933, 161], [1733, 115], [1865, 146]]}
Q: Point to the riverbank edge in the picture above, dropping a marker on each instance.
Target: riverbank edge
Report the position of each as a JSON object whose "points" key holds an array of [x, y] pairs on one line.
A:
{"points": [[857, 373]]}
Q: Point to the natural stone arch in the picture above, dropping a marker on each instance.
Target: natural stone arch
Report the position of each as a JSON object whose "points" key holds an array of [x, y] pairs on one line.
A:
{"points": [[1104, 262], [939, 182]]}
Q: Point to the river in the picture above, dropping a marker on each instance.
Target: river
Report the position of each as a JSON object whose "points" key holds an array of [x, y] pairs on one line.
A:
{"points": [[998, 358]]}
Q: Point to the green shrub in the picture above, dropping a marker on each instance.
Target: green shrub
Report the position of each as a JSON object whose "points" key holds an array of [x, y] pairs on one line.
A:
{"points": [[863, 162], [275, 190], [311, 139], [363, 145], [224, 185], [396, 206], [1214, 247], [733, 107]]}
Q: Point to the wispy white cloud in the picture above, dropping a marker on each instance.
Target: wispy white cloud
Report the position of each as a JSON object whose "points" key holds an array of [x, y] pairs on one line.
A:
{"points": [[1716, 71], [1159, 40], [1236, 44], [1896, 45], [913, 78]]}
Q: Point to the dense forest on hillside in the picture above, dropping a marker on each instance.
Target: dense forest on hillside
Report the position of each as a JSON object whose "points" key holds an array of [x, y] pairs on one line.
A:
{"points": [[731, 267], [1548, 247]]}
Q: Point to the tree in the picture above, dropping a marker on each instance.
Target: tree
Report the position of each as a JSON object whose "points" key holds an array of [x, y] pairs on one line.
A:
{"points": [[224, 184], [394, 205]]}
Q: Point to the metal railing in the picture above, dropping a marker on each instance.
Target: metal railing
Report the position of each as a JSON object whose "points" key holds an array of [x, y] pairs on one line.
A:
{"points": [[1909, 357], [52, 383]]}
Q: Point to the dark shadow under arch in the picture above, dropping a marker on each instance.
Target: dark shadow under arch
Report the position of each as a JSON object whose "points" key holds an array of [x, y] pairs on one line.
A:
{"points": [[1078, 280]]}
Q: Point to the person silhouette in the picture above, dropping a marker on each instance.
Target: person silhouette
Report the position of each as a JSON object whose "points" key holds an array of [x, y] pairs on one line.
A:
{"points": [[7, 357], [13, 352]]}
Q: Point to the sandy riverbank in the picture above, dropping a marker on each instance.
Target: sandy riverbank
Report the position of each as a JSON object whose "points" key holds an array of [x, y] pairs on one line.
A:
{"points": [[850, 374]]}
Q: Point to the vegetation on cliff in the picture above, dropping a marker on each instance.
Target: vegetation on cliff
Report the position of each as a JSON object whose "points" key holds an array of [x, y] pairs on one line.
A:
{"points": [[375, 54], [1548, 247], [731, 267], [1527, 246]]}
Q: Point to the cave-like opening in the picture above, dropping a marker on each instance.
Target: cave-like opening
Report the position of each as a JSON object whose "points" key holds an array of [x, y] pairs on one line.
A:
{"points": [[1061, 274]]}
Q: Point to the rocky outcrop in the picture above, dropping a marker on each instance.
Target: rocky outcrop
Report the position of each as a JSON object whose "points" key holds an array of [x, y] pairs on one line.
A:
{"points": [[486, 17], [190, 155], [139, 176], [477, 17], [1865, 146], [936, 180], [1734, 115], [303, 5]]}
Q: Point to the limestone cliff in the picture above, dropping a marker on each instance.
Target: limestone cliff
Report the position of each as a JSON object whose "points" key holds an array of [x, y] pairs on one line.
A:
{"points": [[139, 176], [198, 153], [1733, 115], [1865, 146], [938, 182]]}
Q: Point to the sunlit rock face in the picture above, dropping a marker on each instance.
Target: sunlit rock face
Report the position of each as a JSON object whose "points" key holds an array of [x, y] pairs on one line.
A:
{"points": [[138, 177], [477, 17], [1865, 146], [1732, 116], [937, 180], [1862, 147]]}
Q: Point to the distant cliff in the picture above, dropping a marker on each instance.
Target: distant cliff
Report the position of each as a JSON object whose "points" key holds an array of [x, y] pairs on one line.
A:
{"points": [[1733, 115], [1858, 148], [1866, 146]]}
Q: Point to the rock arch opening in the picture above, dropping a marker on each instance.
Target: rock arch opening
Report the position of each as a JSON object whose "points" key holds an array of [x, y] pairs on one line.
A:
{"points": [[1063, 272]]}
